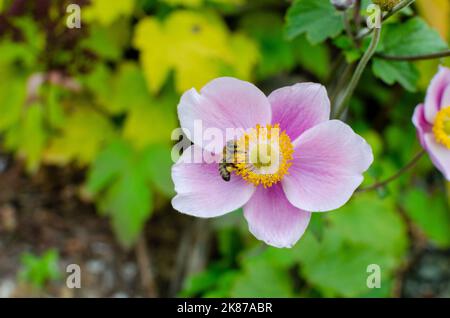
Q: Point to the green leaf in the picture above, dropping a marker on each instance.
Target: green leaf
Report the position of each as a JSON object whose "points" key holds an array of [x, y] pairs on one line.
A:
{"points": [[317, 18], [352, 54], [267, 29], [337, 268], [158, 163], [32, 136], [119, 180], [365, 231], [314, 58], [374, 222], [129, 202], [28, 50], [413, 37], [430, 213], [391, 72], [37, 271], [12, 97], [259, 279], [108, 42], [84, 133], [410, 38]]}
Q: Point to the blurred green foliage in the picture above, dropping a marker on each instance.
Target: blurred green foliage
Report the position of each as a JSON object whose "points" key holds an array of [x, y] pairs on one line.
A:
{"points": [[39, 270], [104, 98]]}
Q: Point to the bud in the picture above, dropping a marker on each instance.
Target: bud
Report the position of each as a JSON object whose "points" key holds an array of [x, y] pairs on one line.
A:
{"points": [[386, 5], [342, 5]]}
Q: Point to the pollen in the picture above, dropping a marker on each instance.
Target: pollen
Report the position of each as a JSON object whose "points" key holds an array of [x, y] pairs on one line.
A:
{"points": [[441, 128], [264, 155]]}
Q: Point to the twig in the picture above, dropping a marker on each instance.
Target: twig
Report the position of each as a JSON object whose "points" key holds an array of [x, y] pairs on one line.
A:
{"points": [[192, 254], [398, 174], [416, 57], [145, 268], [340, 107]]}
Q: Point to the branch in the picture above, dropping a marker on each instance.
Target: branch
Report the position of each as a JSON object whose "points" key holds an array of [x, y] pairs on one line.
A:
{"points": [[430, 56], [145, 268], [398, 174]]}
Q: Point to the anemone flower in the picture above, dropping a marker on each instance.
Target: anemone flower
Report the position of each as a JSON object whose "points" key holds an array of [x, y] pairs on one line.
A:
{"points": [[314, 165], [432, 121]]}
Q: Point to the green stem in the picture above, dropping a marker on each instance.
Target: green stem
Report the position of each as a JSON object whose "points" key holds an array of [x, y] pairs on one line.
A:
{"points": [[405, 3], [398, 174], [345, 77], [341, 106], [430, 56]]}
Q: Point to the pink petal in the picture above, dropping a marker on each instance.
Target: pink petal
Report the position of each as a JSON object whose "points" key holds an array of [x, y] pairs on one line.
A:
{"points": [[299, 107], [223, 103], [202, 192], [421, 123], [328, 164], [445, 102], [272, 219], [439, 154], [438, 94]]}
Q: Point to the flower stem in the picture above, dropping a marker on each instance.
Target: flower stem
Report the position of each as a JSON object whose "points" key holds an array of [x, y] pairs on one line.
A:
{"points": [[416, 57], [405, 3], [398, 174], [341, 106]]}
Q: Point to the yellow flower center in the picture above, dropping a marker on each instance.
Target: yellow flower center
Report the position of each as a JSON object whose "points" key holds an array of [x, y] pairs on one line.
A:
{"points": [[441, 128], [263, 155]]}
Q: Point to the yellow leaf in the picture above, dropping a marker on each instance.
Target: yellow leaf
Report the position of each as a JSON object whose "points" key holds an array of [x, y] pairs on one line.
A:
{"points": [[198, 3], [28, 136], [150, 124], [246, 56], [107, 11], [149, 37], [33, 137], [195, 45], [85, 131], [187, 3], [437, 13]]}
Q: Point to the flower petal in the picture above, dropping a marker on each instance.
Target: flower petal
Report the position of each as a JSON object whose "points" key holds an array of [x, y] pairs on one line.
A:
{"points": [[328, 164], [272, 219], [202, 192], [420, 122], [223, 103], [445, 101], [438, 94], [299, 107], [439, 154]]}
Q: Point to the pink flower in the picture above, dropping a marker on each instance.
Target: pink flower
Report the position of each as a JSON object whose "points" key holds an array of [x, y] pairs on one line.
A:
{"points": [[432, 121], [318, 162]]}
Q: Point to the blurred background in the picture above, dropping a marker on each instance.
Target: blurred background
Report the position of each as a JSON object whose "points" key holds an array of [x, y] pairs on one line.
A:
{"points": [[86, 116]]}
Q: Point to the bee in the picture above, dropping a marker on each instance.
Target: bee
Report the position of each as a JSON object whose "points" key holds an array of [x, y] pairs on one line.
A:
{"points": [[225, 170], [228, 162]]}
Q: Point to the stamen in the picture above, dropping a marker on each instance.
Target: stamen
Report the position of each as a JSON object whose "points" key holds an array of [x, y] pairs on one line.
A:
{"points": [[441, 128], [264, 155]]}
